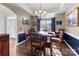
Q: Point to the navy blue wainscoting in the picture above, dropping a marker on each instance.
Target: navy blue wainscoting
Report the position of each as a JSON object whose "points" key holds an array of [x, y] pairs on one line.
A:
{"points": [[73, 42], [21, 37]]}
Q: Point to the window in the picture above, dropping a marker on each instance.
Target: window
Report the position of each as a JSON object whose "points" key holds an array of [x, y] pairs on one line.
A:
{"points": [[45, 24]]}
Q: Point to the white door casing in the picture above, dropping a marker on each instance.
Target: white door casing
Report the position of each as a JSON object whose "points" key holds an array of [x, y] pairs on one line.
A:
{"points": [[11, 26]]}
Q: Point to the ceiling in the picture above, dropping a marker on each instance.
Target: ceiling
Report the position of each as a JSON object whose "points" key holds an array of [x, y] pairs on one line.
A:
{"points": [[24, 8], [51, 7], [5, 11], [18, 10]]}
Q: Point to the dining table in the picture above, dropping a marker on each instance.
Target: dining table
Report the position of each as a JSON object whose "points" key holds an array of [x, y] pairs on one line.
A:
{"points": [[48, 36]]}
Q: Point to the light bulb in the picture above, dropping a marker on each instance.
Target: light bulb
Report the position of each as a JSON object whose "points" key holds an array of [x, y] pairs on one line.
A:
{"points": [[36, 12], [40, 11], [44, 12]]}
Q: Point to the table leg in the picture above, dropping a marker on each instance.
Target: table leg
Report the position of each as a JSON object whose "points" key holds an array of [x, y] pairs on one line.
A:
{"points": [[50, 47]]}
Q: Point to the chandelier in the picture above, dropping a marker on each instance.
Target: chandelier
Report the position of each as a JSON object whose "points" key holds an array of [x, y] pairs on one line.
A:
{"points": [[40, 12]]}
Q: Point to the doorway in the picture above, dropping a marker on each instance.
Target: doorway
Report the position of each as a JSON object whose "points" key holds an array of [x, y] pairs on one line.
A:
{"points": [[11, 27]]}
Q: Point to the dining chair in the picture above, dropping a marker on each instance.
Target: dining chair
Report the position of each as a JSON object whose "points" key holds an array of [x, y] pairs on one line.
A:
{"points": [[37, 45], [27, 36], [57, 42]]}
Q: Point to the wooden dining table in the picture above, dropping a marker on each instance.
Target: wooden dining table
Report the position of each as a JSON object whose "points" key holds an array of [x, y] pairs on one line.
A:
{"points": [[47, 35]]}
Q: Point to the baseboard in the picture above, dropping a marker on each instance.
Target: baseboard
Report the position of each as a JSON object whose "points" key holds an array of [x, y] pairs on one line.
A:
{"points": [[71, 48], [21, 42]]}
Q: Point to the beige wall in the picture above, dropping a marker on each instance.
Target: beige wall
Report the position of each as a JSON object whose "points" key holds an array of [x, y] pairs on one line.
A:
{"points": [[60, 17], [21, 26], [69, 29], [34, 22]]}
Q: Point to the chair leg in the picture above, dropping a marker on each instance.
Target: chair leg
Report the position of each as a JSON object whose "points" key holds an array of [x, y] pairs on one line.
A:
{"points": [[61, 46], [51, 48], [44, 51]]}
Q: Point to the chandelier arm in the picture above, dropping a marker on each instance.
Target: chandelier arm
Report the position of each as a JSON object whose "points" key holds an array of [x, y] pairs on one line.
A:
{"points": [[40, 13]]}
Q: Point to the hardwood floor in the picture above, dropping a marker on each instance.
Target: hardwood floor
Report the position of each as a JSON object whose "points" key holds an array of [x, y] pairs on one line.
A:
{"points": [[12, 47], [25, 50]]}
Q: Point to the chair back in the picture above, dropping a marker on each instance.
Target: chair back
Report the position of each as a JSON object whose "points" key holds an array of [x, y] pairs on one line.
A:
{"points": [[35, 39], [36, 42], [61, 34]]}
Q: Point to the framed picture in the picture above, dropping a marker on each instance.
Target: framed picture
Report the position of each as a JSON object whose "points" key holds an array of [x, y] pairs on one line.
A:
{"points": [[73, 18], [59, 22], [25, 21]]}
